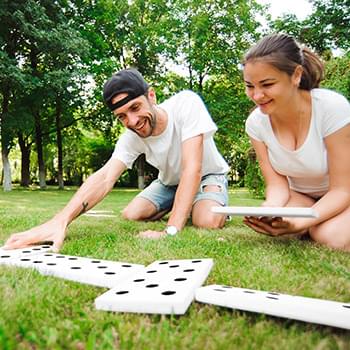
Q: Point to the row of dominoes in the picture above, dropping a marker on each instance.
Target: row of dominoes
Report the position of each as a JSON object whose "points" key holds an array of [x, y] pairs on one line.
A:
{"points": [[169, 287]]}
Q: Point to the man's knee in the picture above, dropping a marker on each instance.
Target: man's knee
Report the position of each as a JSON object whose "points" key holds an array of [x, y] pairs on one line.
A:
{"points": [[209, 220], [139, 209], [129, 214]]}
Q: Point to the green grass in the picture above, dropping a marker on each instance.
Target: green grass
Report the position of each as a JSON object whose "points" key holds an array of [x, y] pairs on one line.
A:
{"points": [[39, 312]]}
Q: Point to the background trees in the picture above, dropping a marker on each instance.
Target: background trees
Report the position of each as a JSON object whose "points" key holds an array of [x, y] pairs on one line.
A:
{"points": [[56, 55]]}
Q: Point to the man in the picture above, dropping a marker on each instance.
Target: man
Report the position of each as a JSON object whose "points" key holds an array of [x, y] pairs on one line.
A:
{"points": [[177, 138]]}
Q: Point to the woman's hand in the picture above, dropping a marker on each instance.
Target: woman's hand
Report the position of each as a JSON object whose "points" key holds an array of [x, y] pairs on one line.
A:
{"points": [[275, 226]]}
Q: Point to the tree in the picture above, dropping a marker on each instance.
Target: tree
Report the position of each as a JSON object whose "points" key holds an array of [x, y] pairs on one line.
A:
{"points": [[325, 29], [214, 35], [11, 78], [47, 53]]}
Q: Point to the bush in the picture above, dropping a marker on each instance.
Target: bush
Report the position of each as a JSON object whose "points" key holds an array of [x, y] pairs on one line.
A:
{"points": [[253, 179]]}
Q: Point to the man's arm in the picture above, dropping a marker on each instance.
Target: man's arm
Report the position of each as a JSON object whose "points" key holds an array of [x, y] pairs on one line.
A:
{"points": [[95, 188], [191, 166]]}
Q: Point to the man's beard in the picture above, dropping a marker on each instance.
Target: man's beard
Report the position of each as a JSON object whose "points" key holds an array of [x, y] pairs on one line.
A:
{"points": [[151, 120]]}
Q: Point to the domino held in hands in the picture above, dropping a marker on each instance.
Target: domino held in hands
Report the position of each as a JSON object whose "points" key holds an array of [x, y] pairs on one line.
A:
{"points": [[267, 211]]}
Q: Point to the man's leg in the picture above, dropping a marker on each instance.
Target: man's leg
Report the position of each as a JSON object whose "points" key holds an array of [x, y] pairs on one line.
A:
{"points": [[152, 203], [212, 192]]}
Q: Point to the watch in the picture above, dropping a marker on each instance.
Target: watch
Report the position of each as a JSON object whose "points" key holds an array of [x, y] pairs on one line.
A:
{"points": [[171, 230]]}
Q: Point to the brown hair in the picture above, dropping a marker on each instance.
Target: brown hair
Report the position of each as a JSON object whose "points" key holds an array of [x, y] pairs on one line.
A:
{"points": [[284, 53]]}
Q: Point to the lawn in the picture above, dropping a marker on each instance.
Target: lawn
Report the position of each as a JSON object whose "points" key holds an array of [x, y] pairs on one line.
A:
{"points": [[39, 312]]}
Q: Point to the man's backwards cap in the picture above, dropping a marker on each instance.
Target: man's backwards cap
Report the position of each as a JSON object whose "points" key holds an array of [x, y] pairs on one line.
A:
{"points": [[128, 81]]}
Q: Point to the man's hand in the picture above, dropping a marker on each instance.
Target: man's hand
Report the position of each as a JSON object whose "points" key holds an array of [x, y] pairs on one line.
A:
{"points": [[152, 234], [274, 226], [52, 230]]}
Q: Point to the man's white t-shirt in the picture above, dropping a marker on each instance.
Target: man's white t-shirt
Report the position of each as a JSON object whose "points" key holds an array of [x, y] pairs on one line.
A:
{"points": [[306, 168], [187, 117]]}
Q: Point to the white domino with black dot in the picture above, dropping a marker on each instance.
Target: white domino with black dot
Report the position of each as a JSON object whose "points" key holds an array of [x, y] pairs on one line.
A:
{"points": [[100, 273], [165, 287], [325, 312], [7, 256]]}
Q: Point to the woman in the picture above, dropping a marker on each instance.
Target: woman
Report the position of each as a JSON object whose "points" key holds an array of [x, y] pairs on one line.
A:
{"points": [[301, 135]]}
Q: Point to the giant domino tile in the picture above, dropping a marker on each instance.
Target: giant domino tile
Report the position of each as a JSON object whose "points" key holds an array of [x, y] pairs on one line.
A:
{"points": [[169, 287]]}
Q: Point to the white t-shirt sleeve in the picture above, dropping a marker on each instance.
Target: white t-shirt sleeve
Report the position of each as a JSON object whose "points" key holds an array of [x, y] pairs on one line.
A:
{"points": [[194, 117], [127, 148], [253, 126], [336, 112]]}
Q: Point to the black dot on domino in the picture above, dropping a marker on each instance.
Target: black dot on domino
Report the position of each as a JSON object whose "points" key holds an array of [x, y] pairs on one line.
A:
{"points": [[168, 292]]}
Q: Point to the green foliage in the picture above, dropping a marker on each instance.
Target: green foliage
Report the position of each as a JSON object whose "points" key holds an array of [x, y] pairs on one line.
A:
{"points": [[253, 178], [214, 35], [330, 22], [326, 28], [338, 75], [86, 153]]}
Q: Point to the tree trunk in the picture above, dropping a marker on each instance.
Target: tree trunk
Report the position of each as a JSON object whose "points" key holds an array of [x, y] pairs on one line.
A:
{"points": [[25, 161], [39, 150], [59, 144], [38, 133], [141, 172], [7, 183], [5, 144]]}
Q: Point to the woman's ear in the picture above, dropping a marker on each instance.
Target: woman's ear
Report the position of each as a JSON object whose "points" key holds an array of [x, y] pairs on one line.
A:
{"points": [[298, 73], [152, 96]]}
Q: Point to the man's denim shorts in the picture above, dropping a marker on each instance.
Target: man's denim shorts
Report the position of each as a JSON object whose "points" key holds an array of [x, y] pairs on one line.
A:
{"points": [[163, 196]]}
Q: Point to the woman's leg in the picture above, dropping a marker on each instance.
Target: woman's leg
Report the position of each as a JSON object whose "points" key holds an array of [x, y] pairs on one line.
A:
{"points": [[334, 233]]}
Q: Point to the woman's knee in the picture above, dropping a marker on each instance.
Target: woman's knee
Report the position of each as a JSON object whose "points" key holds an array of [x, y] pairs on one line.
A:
{"points": [[331, 237]]}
